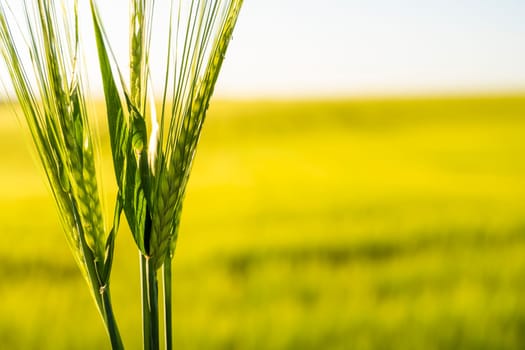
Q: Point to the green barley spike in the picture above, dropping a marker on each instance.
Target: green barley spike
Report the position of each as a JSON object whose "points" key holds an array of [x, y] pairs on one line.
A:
{"points": [[44, 73]]}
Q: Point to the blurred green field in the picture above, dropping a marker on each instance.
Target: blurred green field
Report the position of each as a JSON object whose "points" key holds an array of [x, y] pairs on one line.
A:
{"points": [[372, 224]]}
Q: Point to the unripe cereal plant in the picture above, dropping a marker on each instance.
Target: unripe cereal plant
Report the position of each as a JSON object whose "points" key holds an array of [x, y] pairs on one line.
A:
{"points": [[153, 148], [40, 48]]}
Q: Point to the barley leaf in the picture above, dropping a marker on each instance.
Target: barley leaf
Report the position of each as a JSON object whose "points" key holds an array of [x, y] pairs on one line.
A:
{"points": [[128, 137]]}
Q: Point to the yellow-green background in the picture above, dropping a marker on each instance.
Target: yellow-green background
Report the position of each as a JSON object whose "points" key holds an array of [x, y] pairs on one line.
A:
{"points": [[358, 224]]}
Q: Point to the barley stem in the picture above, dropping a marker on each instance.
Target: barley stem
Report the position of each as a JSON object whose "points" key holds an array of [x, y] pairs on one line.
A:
{"points": [[109, 319], [167, 295], [150, 304]]}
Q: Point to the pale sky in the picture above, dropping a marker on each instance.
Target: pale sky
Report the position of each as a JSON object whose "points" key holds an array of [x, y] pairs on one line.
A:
{"points": [[298, 48], [348, 47]]}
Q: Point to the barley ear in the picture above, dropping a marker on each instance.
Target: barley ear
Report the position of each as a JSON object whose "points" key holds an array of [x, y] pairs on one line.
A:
{"points": [[187, 120], [44, 72]]}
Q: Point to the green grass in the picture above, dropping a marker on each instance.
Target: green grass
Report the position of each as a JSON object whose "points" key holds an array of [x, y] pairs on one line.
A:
{"points": [[307, 225]]}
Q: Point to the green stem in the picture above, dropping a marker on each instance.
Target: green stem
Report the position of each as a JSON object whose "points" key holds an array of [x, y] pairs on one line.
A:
{"points": [[100, 288], [110, 321], [168, 319], [150, 304], [146, 323], [154, 305]]}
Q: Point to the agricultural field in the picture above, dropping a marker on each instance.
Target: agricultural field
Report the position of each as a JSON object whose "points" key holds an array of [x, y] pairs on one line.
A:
{"points": [[355, 224]]}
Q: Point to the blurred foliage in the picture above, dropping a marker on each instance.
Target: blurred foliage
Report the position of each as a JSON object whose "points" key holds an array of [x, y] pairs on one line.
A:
{"points": [[371, 224]]}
